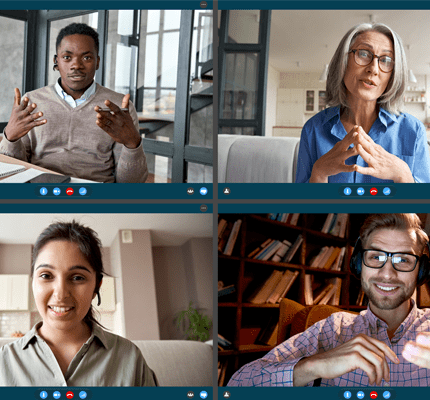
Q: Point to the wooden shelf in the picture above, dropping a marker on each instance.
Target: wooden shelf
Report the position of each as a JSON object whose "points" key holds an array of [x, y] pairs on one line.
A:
{"points": [[254, 348], [239, 318], [227, 304], [245, 349], [264, 305]]}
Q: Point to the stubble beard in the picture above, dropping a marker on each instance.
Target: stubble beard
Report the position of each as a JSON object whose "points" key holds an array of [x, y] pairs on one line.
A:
{"points": [[386, 302]]}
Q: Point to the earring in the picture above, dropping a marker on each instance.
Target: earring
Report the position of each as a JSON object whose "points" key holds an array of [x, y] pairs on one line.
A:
{"points": [[98, 299]]}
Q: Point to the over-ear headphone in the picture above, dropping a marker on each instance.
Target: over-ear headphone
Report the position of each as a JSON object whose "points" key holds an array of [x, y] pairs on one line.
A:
{"points": [[423, 263], [55, 63]]}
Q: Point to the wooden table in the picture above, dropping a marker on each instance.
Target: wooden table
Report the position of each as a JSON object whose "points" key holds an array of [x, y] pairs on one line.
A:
{"points": [[11, 160]]}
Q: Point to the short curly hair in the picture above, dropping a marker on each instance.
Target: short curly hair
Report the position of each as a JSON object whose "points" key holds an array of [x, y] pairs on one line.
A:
{"points": [[396, 222], [78, 29]]}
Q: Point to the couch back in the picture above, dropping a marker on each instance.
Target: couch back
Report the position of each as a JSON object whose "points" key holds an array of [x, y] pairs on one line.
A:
{"points": [[257, 159], [295, 318], [175, 362]]}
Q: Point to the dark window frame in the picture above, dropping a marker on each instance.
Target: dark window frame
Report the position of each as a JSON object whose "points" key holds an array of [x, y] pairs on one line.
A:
{"points": [[262, 49]]}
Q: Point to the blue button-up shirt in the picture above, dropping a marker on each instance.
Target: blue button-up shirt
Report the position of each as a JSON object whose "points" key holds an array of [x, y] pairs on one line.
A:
{"points": [[403, 136]]}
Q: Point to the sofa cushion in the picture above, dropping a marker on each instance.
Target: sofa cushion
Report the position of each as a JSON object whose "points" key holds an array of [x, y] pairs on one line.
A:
{"points": [[178, 362], [257, 159]]}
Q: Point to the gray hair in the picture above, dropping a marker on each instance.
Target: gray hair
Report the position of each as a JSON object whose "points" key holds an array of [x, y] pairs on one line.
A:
{"points": [[392, 99]]}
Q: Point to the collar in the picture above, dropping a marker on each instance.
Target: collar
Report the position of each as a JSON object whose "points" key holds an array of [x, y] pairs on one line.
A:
{"points": [[97, 332], [377, 323], [383, 115], [88, 93]]}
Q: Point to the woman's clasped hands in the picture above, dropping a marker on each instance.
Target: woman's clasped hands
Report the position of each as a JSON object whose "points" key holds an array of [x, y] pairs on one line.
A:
{"points": [[381, 164]]}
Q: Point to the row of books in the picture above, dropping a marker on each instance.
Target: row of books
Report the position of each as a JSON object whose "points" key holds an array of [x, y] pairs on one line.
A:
{"points": [[222, 368], [276, 251], [225, 290], [268, 335], [223, 343], [287, 218], [361, 298], [228, 232], [326, 292], [329, 258], [275, 288], [335, 224]]}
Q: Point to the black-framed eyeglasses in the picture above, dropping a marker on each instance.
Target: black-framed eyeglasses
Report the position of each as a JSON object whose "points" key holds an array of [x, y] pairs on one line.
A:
{"points": [[403, 262], [364, 57]]}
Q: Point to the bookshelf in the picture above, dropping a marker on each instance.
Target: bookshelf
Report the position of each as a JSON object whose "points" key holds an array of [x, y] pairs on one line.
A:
{"points": [[240, 321]]}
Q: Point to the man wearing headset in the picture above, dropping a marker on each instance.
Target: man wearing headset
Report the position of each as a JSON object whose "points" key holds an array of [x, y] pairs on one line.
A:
{"points": [[386, 345], [76, 127]]}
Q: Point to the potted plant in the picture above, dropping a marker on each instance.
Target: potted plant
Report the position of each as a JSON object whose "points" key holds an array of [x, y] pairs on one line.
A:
{"points": [[199, 325]]}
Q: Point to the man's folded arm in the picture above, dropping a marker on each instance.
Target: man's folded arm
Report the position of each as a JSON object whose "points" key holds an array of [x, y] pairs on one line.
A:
{"points": [[130, 164], [20, 149]]}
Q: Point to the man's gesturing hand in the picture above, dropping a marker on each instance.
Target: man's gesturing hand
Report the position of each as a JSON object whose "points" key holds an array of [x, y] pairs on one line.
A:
{"points": [[362, 352], [22, 118], [418, 352], [118, 124]]}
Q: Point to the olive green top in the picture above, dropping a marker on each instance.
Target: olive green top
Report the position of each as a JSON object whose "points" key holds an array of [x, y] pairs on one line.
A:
{"points": [[104, 360]]}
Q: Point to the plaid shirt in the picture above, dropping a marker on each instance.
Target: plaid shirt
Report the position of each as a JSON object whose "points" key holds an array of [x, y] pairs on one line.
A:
{"points": [[276, 367]]}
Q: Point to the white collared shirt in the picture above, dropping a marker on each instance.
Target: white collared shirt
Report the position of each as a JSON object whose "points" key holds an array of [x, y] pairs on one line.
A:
{"points": [[69, 99]]}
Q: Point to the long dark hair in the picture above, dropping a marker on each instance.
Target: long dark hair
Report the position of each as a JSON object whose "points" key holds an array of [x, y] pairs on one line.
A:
{"points": [[89, 244]]}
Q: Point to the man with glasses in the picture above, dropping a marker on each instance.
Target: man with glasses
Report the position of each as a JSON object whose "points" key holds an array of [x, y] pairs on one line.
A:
{"points": [[386, 345], [365, 136]]}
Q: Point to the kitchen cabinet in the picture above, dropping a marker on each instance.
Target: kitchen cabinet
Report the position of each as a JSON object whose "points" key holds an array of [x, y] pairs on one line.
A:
{"points": [[14, 291], [315, 100], [107, 294]]}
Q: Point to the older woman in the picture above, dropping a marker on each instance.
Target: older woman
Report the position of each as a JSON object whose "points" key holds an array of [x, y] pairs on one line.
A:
{"points": [[69, 347], [364, 137]]}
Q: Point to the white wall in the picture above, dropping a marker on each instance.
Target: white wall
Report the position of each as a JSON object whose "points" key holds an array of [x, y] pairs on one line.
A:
{"points": [[136, 293], [301, 80], [15, 259], [273, 82], [183, 274]]}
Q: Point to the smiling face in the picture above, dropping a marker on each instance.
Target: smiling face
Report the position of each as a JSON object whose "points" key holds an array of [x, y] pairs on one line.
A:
{"points": [[386, 288], [77, 62], [63, 285], [367, 83]]}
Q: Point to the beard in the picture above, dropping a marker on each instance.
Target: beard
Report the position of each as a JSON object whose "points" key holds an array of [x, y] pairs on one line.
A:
{"points": [[387, 302]]}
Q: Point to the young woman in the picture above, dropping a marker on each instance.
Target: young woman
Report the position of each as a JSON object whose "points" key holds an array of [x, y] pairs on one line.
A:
{"points": [[69, 347]]}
